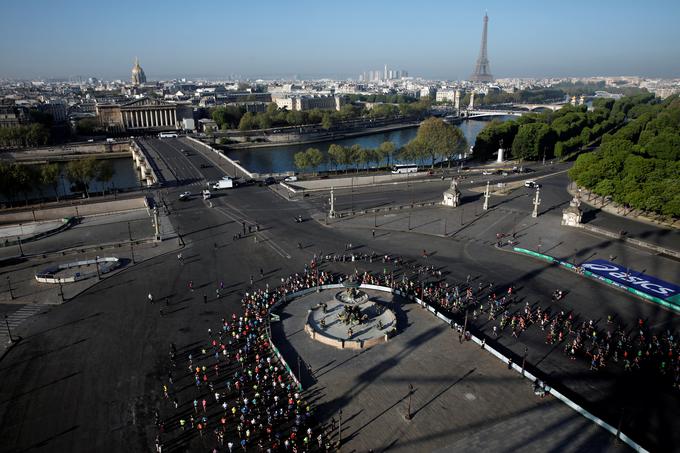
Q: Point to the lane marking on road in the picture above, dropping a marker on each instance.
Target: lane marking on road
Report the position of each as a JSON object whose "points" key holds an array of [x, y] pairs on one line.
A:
{"points": [[186, 160], [16, 318], [263, 237]]}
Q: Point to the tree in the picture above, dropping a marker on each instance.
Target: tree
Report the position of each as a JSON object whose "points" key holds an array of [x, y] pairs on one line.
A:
{"points": [[247, 122], [227, 117], [301, 160], [272, 108], [104, 172], [386, 151], [326, 121], [438, 139], [37, 135], [7, 187], [24, 179], [355, 156], [314, 157], [493, 136], [363, 156], [81, 172], [337, 155], [88, 126], [413, 151], [526, 145], [49, 176]]}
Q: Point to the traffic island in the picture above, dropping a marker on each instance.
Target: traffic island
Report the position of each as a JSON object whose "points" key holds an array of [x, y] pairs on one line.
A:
{"points": [[78, 270], [351, 320]]}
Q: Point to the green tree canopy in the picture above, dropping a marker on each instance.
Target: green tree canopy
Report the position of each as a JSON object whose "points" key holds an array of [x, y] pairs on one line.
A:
{"points": [[81, 172], [438, 139], [49, 176]]}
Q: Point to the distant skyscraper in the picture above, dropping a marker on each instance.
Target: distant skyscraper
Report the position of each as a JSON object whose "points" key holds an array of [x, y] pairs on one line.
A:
{"points": [[138, 76], [386, 76], [482, 72]]}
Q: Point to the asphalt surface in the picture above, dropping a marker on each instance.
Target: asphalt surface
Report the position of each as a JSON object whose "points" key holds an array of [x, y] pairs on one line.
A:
{"points": [[86, 375]]}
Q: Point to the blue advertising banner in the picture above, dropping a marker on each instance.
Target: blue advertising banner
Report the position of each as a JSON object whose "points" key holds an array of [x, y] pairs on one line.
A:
{"points": [[631, 279]]}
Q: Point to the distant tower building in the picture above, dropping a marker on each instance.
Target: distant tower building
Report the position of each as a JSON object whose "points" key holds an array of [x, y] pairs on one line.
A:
{"points": [[138, 76], [482, 72], [386, 74]]}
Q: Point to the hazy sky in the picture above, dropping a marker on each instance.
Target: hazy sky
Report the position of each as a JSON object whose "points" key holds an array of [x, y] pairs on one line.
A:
{"points": [[317, 38]]}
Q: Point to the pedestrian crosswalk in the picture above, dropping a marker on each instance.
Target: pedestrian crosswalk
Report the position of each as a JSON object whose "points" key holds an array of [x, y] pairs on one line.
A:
{"points": [[14, 320]]}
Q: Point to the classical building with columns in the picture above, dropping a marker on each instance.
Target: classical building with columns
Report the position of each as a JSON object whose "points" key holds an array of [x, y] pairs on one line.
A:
{"points": [[140, 114]]}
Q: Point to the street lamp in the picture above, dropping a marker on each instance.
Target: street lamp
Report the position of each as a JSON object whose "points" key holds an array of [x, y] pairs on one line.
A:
{"points": [[9, 287], [61, 289], [132, 250], [9, 332], [299, 368], [524, 359], [21, 249], [99, 275], [410, 392], [340, 428]]}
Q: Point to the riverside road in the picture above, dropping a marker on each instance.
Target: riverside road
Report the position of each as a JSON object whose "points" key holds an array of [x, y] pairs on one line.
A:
{"points": [[86, 375]]}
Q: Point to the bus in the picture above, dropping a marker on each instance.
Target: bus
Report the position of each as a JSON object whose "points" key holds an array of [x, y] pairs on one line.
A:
{"points": [[404, 168], [167, 135]]}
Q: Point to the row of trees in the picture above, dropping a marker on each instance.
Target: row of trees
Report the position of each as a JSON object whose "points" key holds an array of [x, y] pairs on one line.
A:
{"points": [[540, 96], [555, 134], [37, 133], [24, 136], [232, 117], [638, 166], [435, 141], [17, 179], [545, 95], [354, 157]]}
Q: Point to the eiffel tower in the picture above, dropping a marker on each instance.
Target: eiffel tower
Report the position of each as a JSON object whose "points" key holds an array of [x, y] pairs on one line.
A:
{"points": [[482, 73]]}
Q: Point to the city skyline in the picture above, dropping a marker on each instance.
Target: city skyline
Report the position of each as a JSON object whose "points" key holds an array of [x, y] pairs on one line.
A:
{"points": [[527, 39]]}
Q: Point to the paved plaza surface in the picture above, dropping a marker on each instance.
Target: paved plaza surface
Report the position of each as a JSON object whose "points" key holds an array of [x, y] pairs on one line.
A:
{"points": [[460, 392], [87, 374]]}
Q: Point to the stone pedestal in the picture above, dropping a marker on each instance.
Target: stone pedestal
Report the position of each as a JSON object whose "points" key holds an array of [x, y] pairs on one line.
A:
{"points": [[452, 195], [571, 216], [501, 153]]}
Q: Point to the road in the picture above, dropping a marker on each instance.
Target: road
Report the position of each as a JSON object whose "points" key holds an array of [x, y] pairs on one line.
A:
{"points": [[87, 374]]}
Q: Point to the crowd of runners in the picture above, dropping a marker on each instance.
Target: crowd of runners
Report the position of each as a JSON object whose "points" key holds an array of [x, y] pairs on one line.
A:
{"points": [[235, 394], [634, 348]]}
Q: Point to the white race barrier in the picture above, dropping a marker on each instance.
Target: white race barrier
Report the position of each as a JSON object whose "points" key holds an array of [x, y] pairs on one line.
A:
{"points": [[630, 442]]}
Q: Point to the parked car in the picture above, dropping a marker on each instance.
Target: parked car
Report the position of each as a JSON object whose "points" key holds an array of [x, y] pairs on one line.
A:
{"points": [[487, 173], [206, 194], [291, 179], [269, 181], [531, 184], [184, 196]]}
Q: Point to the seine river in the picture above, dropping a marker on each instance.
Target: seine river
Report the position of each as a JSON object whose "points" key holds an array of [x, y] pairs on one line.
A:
{"points": [[279, 159]]}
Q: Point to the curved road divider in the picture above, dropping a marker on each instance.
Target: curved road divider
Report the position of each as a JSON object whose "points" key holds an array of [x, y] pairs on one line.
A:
{"points": [[104, 265], [67, 223]]}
